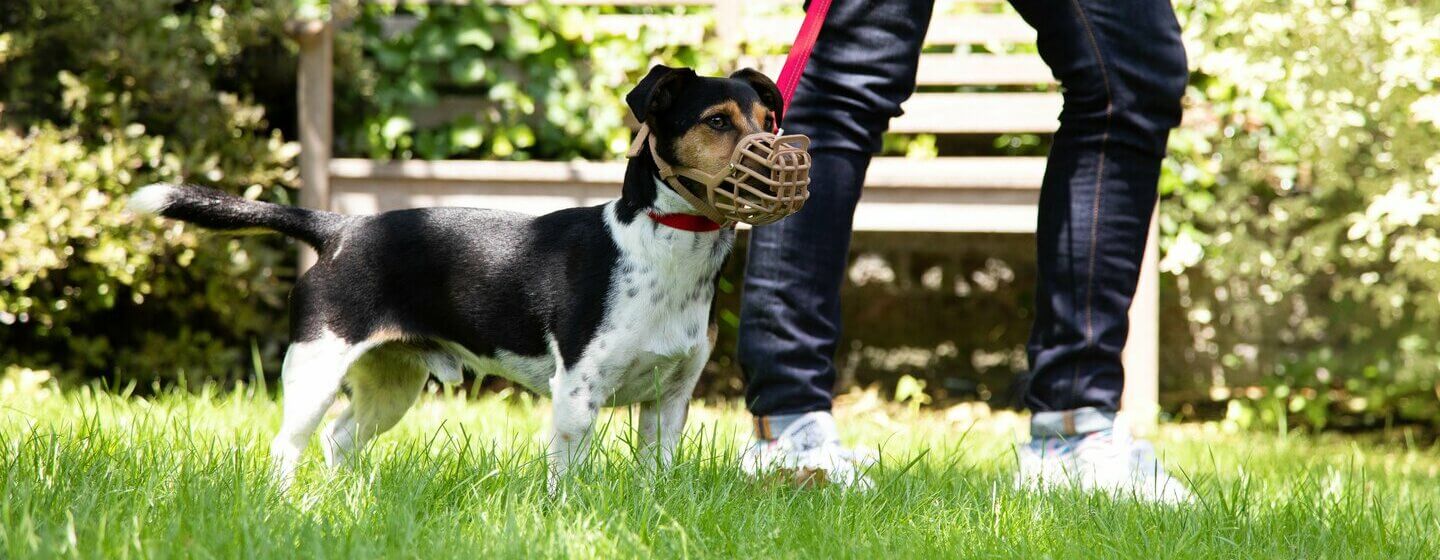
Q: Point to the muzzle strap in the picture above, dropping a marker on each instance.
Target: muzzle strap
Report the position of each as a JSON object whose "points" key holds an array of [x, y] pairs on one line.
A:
{"points": [[768, 178], [644, 138]]}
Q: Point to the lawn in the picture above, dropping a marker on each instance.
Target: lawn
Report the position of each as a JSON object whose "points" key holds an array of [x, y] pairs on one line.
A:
{"points": [[91, 474]]}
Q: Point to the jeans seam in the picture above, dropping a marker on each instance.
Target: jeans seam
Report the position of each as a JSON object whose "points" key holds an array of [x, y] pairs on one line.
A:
{"points": [[1099, 184]]}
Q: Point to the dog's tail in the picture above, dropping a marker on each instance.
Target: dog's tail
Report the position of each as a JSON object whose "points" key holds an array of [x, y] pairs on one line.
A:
{"points": [[217, 210]]}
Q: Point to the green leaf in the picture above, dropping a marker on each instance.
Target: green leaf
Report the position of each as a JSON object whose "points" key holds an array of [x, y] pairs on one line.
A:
{"points": [[475, 37], [466, 133], [396, 126], [468, 71]]}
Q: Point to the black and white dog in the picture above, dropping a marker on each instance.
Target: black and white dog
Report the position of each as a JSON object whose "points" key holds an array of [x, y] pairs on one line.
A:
{"points": [[601, 306]]}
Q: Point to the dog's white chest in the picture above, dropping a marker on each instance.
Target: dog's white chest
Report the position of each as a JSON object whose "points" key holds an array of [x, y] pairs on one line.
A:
{"points": [[653, 335], [658, 310], [652, 331]]}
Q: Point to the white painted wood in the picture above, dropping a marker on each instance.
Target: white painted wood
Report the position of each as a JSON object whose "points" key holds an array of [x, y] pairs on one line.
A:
{"points": [[960, 69], [1000, 173], [952, 194], [1019, 173], [979, 113], [1141, 400], [687, 29], [778, 31], [313, 93], [480, 171], [559, 2], [964, 29]]}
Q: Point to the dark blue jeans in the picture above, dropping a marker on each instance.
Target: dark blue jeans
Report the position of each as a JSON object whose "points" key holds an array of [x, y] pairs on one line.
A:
{"points": [[1121, 66]]}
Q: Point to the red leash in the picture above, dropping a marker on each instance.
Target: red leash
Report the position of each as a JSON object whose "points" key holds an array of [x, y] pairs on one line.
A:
{"points": [[800, 52]]}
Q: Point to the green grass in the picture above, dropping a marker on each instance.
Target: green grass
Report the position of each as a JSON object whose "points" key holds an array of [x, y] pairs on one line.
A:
{"points": [[91, 474]]}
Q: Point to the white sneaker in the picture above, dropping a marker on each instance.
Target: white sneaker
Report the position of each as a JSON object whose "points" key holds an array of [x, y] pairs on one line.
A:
{"points": [[1105, 461], [808, 453]]}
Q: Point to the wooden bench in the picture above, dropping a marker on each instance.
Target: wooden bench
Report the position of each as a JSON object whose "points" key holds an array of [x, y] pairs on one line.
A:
{"points": [[946, 194]]}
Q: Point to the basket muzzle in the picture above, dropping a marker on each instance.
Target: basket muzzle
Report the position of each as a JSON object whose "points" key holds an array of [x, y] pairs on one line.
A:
{"points": [[768, 178]]}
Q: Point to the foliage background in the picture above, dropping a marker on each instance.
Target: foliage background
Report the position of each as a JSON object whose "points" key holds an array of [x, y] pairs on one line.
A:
{"points": [[100, 98], [1298, 218], [1301, 208]]}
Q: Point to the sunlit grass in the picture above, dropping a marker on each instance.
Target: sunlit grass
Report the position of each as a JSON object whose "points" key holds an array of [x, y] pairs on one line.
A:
{"points": [[92, 474]]}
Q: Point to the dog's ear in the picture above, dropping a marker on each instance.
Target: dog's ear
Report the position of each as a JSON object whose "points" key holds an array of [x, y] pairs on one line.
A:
{"points": [[657, 90], [769, 93]]}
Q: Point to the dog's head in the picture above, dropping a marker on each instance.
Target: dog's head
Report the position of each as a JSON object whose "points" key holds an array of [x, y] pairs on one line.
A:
{"points": [[697, 122]]}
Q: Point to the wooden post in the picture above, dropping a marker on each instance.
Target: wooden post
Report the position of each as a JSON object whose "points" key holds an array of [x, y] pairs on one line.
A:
{"points": [[1140, 404], [314, 106], [727, 22]]}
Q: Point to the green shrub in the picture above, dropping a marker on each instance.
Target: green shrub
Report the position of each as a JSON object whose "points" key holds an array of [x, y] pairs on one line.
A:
{"points": [[486, 81], [1302, 203], [98, 99]]}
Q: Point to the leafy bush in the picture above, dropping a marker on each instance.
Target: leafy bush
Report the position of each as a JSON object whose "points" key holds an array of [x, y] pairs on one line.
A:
{"points": [[1302, 205], [486, 81], [98, 99]]}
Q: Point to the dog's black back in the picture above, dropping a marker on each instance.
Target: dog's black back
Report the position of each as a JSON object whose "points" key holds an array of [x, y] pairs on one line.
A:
{"points": [[457, 274]]}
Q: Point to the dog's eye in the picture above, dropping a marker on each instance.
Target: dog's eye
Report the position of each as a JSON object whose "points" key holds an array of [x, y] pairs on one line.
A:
{"points": [[769, 121], [718, 122]]}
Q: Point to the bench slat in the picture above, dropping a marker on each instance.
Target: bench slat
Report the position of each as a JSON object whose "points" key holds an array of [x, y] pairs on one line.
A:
{"points": [[639, 3], [885, 172], [982, 194], [780, 30], [675, 29], [979, 113], [983, 69], [960, 70], [969, 29], [1022, 173]]}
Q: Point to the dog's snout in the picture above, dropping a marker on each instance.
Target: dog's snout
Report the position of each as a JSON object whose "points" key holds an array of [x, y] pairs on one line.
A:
{"points": [[757, 168]]}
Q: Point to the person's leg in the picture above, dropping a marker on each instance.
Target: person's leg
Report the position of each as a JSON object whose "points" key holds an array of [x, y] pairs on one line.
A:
{"points": [[1122, 68], [862, 68]]}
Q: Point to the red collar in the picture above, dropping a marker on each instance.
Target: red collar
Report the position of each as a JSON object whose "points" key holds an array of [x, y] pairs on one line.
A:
{"points": [[687, 222]]}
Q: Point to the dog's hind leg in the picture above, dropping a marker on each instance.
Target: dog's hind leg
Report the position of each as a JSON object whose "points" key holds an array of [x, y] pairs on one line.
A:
{"points": [[311, 377], [383, 384]]}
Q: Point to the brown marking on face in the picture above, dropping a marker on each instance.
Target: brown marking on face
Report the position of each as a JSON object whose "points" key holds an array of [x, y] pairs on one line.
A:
{"points": [[709, 150], [704, 148], [760, 113]]}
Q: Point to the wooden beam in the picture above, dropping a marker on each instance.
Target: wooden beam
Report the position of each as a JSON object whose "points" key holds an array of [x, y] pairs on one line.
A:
{"points": [[1018, 173], [628, 3], [968, 29], [729, 15], [963, 69], [983, 70], [954, 173], [313, 93], [481, 172], [979, 113], [1140, 403], [994, 194], [675, 30], [780, 30]]}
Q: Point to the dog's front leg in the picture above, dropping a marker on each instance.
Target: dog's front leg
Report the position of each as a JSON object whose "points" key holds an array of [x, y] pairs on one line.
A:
{"points": [[575, 406], [662, 421]]}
